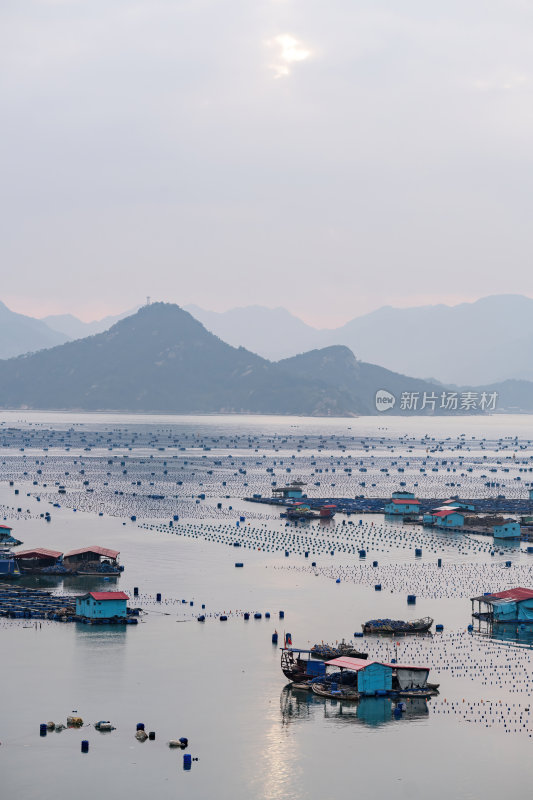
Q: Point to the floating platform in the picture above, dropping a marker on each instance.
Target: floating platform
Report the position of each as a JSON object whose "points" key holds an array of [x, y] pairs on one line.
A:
{"points": [[19, 602]]}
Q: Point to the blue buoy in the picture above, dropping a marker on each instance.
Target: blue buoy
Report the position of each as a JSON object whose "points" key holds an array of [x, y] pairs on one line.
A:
{"points": [[374, 563], [257, 615], [184, 741], [239, 564], [377, 587], [246, 615], [223, 618], [201, 618], [418, 552], [362, 553], [439, 627], [439, 562], [281, 614], [274, 638], [411, 599], [158, 597], [43, 728], [187, 760], [84, 746], [135, 591], [338, 580], [140, 726]]}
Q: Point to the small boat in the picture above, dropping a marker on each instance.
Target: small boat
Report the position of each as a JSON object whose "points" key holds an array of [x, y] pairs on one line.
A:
{"points": [[397, 626], [326, 652], [335, 691]]}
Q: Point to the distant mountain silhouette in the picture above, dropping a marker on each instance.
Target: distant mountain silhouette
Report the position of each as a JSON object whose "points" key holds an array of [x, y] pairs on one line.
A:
{"points": [[273, 333], [21, 334], [73, 328], [487, 341], [162, 359]]}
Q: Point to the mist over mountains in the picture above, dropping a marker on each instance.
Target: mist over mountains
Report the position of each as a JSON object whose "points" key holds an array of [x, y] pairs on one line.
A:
{"points": [[140, 363], [161, 359], [490, 340]]}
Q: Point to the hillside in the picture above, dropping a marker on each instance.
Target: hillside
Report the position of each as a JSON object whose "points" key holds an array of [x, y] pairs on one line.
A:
{"points": [[161, 359]]}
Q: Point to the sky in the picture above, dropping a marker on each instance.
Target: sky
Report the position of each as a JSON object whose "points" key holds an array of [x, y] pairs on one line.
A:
{"points": [[328, 157]]}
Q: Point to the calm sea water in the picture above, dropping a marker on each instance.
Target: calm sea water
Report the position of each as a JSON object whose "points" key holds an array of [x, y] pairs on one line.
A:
{"points": [[219, 683]]}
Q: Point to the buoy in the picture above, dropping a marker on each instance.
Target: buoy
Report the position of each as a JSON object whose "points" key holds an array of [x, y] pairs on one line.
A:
{"points": [[140, 726], [158, 597], [187, 758], [43, 727], [151, 736], [84, 746]]}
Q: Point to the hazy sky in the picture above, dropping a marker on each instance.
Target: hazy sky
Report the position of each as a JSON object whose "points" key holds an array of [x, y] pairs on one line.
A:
{"points": [[326, 156]]}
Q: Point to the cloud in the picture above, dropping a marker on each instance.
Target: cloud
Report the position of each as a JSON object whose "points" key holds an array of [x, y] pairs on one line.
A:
{"points": [[290, 50]]}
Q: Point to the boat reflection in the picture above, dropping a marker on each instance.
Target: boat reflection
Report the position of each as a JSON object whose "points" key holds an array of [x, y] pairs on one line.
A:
{"points": [[299, 704]]}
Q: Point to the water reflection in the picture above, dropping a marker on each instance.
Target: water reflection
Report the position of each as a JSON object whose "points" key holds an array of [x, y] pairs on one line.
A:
{"points": [[512, 632], [301, 705]]}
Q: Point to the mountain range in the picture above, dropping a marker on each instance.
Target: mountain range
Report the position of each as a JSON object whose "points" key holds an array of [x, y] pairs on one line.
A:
{"points": [[490, 340], [161, 359], [480, 343]]}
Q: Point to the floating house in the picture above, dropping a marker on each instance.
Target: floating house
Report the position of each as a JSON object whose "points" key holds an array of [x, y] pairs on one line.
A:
{"points": [[512, 605], [292, 492], [102, 605], [402, 503], [6, 539], [372, 677], [508, 530], [95, 558], [448, 518], [37, 559]]}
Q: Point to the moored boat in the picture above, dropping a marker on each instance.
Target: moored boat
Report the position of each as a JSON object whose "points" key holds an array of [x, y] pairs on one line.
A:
{"points": [[397, 626], [329, 651]]}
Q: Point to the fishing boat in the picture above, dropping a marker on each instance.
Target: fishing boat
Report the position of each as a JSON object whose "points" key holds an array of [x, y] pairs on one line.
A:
{"points": [[326, 651], [294, 664], [335, 691], [397, 626]]}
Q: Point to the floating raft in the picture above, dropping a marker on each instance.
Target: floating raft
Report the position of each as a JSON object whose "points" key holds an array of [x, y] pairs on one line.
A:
{"points": [[19, 602]]}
